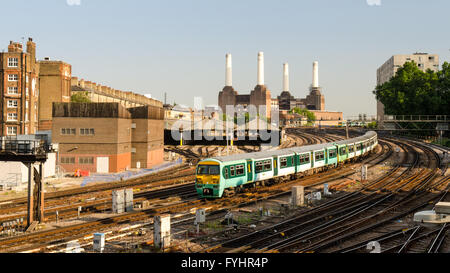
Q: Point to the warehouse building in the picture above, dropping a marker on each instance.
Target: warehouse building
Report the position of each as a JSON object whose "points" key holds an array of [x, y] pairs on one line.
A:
{"points": [[107, 137]]}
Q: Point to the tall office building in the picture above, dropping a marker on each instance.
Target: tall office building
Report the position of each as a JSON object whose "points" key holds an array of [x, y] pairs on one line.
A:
{"points": [[424, 61]]}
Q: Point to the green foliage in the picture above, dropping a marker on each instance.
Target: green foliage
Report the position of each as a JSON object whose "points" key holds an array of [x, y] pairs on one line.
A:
{"points": [[372, 125], [412, 91], [304, 112], [80, 97]]}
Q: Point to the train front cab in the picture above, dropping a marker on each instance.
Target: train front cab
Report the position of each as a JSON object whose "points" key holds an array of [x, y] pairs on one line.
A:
{"points": [[207, 180]]}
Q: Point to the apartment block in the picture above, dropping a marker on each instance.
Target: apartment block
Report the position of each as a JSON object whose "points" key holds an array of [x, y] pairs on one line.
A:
{"points": [[19, 89], [385, 72], [107, 137], [99, 93]]}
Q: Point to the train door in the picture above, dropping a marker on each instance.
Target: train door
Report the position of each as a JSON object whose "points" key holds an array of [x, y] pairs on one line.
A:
{"points": [[249, 170], [275, 166], [312, 159]]}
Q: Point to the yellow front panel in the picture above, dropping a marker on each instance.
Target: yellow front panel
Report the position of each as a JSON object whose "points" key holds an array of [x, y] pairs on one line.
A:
{"points": [[208, 179]]}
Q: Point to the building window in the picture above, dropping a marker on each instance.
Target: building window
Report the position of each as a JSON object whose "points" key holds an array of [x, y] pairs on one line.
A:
{"points": [[13, 77], [67, 160], [12, 116], [87, 131], [13, 90], [12, 104], [13, 62], [86, 160], [12, 131], [68, 131]]}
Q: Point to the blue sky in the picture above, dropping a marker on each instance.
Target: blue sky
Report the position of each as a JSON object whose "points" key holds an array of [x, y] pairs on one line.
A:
{"points": [[179, 47]]}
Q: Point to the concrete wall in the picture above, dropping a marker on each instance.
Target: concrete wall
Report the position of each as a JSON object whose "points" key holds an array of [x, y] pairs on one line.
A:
{"points": [[17, 170]]}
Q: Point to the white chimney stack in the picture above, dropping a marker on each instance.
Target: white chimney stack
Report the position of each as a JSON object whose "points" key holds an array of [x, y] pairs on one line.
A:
{"points": [[228, 72], [285, 77], [315, 82], [260, 68]]}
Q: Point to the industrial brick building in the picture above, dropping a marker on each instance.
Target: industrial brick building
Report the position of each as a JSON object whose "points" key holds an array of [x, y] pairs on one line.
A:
{"points": [[313, 101], [107, 137], [19, 90], [260, 96], [54, 80]]}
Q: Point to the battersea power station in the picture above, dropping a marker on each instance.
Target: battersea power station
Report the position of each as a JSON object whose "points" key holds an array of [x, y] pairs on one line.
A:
{"points": [[261, 96]]}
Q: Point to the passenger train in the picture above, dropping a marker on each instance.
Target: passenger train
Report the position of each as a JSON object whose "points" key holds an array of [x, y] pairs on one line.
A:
{"points": [[219, 176]]}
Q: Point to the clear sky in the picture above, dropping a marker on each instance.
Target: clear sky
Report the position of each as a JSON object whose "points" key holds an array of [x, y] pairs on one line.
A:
{"points": [[179, 47]]}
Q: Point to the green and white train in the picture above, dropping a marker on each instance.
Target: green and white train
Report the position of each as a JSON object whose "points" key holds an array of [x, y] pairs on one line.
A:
{"points": [[225, 175]]}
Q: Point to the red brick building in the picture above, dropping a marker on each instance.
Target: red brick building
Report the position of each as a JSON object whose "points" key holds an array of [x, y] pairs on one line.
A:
{"points": [[19, 90], [107, 137]]}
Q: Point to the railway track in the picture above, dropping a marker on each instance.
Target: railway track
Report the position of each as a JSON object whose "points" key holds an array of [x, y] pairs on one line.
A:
{"points": [[8, 245], [293, 233]]}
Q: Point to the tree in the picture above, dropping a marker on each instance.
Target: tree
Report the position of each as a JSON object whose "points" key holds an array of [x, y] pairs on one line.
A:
{"points": [[412, 91], [304, 112], [80, 97]]}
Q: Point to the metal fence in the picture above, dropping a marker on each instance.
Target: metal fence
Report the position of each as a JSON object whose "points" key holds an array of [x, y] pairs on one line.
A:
{"points": [[16, 146], [417, 118], [10, 181]]}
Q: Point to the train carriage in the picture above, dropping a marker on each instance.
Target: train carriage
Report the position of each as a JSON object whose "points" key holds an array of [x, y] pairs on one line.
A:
{"points": [[219, 175]]}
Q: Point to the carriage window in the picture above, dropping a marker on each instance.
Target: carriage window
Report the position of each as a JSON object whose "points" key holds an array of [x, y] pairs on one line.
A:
{"points": [[332, 153], [320, 156], [214, 170], [283, 162], [239, 169], [351, 149], [232, 171], [202, 169], [258, 167], [292, 161], [268, 165], [304, 158], [342, 151], [208, 169]]}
